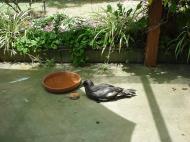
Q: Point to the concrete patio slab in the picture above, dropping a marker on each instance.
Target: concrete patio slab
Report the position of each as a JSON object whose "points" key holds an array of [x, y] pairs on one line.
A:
{"points": [[159, 112]]}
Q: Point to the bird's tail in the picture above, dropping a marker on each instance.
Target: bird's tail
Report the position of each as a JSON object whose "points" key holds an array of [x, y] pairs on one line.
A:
{"points": [[127, 93]]}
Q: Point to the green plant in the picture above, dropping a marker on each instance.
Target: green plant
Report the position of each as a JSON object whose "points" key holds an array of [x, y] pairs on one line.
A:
{"points": [[177, 23], [58, 20], [116, 28], [83, 42], [56, 23], [12, 26], [182, 43], [42, 22], [78, 40], [36, 41], [49, 63], [46, 34]]}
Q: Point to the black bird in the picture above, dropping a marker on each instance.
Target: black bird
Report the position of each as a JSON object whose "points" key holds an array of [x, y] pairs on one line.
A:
{"points": [[106, 92]]}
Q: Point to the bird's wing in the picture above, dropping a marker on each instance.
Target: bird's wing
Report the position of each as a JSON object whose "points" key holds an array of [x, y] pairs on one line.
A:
{"points": [[101, 90], [100, 86], [106, 92]]}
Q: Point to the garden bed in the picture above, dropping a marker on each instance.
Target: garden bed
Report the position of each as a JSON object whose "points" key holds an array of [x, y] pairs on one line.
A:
{"points": [[84, 40]]}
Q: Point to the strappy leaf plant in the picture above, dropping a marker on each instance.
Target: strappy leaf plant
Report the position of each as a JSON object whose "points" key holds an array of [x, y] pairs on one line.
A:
{"points": [[116, 27], [11, 27], [182, 43]]}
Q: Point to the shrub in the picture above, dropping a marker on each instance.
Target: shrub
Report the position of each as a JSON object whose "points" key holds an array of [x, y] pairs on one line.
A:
{"points": [[11, 27], [116, 27], [57, 23], [182, 43], [175, 34], [36, 40], [43, 35], [78, 39]]}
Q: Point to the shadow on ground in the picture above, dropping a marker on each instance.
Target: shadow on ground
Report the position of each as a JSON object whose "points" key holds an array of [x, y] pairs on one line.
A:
{"points": [[28, 113], [156, 112], [162, 74]]}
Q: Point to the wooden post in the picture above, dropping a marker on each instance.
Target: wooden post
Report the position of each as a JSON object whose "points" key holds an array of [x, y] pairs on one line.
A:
{"points": [[151, 50], [30, 4], [44, 6]]}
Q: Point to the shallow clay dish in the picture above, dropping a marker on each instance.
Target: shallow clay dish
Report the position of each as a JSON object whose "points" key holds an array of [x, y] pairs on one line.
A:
{"points": [[61, 82]]}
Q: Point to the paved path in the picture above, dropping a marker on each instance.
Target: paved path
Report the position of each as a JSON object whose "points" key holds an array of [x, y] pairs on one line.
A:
{"points": [[82, 9], [88, 9], [159, 112]]}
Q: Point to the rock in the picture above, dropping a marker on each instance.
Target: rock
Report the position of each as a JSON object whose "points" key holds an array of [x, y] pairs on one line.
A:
{"points": [[74, 96]]}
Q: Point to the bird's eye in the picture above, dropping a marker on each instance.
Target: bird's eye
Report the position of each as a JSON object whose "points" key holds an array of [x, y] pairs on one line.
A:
{"points": [[84, 83]]}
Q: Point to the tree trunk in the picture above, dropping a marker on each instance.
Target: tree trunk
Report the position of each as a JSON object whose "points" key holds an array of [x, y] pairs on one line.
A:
{"points": [[30, 4], [151, 50]]}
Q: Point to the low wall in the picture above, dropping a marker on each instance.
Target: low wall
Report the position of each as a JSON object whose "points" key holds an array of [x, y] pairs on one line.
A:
{"points": [[94, 56]]}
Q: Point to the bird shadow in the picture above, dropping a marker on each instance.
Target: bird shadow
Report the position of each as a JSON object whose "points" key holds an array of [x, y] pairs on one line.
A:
{"points": [[117, 99]]}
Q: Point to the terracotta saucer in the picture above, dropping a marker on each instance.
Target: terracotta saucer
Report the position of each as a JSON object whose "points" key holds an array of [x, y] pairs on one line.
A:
{"points": [[61, 82]]}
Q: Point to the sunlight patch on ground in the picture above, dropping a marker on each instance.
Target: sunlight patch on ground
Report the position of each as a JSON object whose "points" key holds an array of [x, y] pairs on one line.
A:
{"points": [[19, 66], [72, 9]]}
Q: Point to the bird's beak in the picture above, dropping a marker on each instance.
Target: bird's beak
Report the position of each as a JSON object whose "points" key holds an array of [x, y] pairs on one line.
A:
{"points": [[82, 83]]}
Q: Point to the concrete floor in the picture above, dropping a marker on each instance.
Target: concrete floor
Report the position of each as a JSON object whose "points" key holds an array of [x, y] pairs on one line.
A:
{"points": [[159, 112]]}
